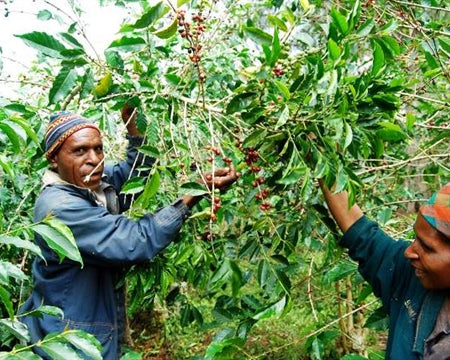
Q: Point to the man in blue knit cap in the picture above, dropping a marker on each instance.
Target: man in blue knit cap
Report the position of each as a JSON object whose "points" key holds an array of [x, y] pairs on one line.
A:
{"points": [[411, 279], [84, 193]]}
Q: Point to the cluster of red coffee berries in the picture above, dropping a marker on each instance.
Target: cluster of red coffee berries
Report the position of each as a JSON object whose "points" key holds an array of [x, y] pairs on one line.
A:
{"points": [[192, 35], [251, 159], [216, 202], [278, 70], [215, 151]]}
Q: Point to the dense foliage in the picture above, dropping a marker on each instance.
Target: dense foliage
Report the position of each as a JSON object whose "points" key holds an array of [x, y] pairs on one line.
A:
{"points": [[287, 91]]}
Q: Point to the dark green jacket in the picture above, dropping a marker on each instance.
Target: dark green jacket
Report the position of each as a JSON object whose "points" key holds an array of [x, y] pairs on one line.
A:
{"points": [[412, 309]]}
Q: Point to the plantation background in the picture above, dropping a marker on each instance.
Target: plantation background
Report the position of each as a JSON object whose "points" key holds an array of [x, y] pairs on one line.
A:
{"points": [[289, 92]]}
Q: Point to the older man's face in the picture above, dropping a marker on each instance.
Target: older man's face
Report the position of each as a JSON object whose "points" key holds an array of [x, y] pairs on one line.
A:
{"points": [[430, 256], [79, 161]]}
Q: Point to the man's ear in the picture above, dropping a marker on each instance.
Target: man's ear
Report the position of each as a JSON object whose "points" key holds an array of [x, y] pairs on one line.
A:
{"points": [[53, 162]]}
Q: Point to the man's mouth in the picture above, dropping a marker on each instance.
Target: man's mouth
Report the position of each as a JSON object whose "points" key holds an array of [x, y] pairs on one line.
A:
{"points": [[95, 176]]}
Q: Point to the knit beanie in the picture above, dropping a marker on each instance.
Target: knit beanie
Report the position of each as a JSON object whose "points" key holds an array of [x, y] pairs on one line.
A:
{"points": [[62, 125], [437, 211]]}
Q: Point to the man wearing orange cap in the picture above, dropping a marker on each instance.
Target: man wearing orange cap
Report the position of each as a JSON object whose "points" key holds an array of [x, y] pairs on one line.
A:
{"points": [[79, 190], [412, 279]]}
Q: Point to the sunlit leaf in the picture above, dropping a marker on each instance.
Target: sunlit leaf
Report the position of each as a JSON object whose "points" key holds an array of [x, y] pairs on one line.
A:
{"points": [[62, 85], [272, 310], [378, 59], [44, 43], [16, 328], [339, 21], [128, 44], [59, 350], [46, 309], [133, 186], [104, 85], [85, 342], [167, 32], [59, 238], [153, 14], [258, 35], [21, 244], [193, 189]]}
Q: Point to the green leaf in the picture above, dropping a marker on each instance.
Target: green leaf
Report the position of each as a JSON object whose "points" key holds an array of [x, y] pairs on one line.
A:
{"points": [[378, 320], [240, 102], [16, 328], [85, 342], [291, 176], [193, 189], [59, 238], [272, 310], [21, 244], [378, 59], [444, 134], [284, 117], [366, 28], [348, 135], [58, 350], [305, 5], [103, 86], [167, 32], [19, 355], [153, 14], [44, 15], [263, 272], [255, 138], [126, 44], [7, 168], [283, 89], [8, 270], [149, 151], [277, 22], [333, 50], [131, 355], [26, 127], [63, 85], [258, 35], [276, 47], [68, 37], [389, 27], [150, 189], [340, 271], [339, 21], [133, 186], [44, 43], [387, 102], [5, 296], [46, 309], [12, 136]]}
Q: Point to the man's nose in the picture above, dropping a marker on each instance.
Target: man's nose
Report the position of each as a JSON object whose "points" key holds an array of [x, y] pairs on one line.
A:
{"points": [[95, 157], [410, 252]]}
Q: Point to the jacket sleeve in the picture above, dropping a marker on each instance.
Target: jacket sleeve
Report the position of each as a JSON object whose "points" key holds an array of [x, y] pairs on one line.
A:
{"points": [[118, 173], [112, 240], [380, 259]]}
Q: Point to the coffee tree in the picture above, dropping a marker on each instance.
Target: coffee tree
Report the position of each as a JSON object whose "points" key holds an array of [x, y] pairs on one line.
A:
{"points": [[288, 92]]}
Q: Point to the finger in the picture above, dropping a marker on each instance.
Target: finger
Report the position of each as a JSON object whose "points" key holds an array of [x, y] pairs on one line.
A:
{"points": [[221, 171]]}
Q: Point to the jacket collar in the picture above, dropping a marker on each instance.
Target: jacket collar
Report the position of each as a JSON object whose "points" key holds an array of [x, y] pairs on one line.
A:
{"points": [[51, 177]]}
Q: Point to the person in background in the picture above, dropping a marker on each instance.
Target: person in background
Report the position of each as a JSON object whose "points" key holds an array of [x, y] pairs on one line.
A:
{"points": [[412, 279], [84, 194]]}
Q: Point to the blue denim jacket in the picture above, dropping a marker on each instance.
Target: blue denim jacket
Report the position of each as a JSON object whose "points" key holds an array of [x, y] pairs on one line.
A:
{"points": [[412, 309], [109, 243]]}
